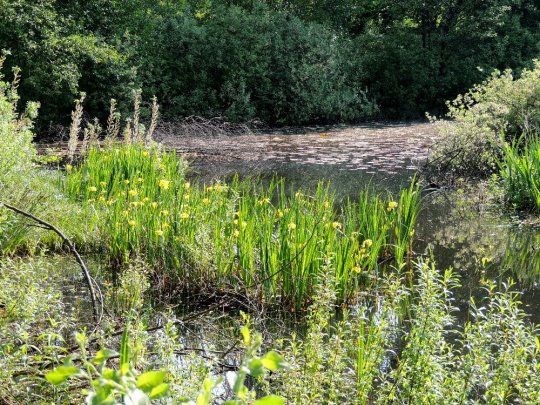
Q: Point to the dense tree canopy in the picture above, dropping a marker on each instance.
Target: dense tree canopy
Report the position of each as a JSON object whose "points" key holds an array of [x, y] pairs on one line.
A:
{"points": [[285, 62]]}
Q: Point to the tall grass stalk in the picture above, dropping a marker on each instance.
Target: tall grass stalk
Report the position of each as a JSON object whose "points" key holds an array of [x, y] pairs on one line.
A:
{"points": [[75, 128]]}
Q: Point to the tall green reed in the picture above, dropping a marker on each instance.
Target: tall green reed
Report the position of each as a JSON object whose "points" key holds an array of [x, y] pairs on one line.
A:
{"points": [[238, 235], [519, 169]]}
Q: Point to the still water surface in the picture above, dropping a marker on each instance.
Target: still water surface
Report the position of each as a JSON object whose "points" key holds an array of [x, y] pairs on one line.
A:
{"points": [[461, 228]]}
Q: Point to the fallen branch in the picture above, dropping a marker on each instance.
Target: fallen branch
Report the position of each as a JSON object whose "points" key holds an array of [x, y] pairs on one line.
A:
{"points": [[85, 272]]}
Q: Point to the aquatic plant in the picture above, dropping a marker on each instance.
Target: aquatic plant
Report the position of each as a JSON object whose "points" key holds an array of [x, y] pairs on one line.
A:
{"points": [[519, 169], [238, 235]]}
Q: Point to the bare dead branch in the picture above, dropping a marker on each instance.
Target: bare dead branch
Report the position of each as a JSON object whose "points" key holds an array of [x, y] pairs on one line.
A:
{"points": [[67, 241]]}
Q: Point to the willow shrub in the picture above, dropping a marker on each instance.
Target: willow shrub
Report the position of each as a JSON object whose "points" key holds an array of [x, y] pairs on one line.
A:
{"points": [[381, 353], [471, 142], [520, 174], [24, 185], [237, 235]]}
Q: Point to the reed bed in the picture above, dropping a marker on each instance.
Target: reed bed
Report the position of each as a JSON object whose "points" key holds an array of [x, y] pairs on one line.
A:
{"points": [[520, 172], [242, 235]]}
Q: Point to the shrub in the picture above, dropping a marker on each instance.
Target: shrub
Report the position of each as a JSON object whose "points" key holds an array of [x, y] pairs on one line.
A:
{"points": [[471, 145], [16, 148], [404, 345], [29, 188], [252, 63]]}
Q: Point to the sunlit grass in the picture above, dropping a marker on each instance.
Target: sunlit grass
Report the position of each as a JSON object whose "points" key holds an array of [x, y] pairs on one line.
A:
{"points": [[520, 172], [242, 234]]}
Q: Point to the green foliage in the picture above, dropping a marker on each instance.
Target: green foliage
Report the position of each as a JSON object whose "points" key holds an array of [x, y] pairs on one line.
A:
{"points": [[125, 384], [23, 185], [35, 323], [16, 148], [111, 385], [292, 62], [471, 144], [59, 58], [519, 170], [405, 346], [237, 235], [258, 63]]}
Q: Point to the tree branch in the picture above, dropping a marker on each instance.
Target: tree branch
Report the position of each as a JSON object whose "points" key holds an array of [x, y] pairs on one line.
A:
{"points": [[85, 272]]}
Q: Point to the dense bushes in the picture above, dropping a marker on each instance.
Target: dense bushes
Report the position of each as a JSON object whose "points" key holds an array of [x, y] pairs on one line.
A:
{"points": [[58, 58], [501, 109], [292, 62], [243, 65]]}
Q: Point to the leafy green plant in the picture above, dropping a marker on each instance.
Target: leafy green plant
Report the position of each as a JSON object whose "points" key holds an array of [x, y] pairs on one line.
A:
{"points": [[471, 144], [519, 170], [403, 344], [252, 365], [110, 385], [236, 235], [123, 384]]}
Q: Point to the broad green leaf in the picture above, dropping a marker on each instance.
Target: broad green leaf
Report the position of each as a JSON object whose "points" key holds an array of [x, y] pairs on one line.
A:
{"points": [[61, 374], [270, 400], [150, 379], [159, 391], [272, 361], [256, 368], [103, 355]]}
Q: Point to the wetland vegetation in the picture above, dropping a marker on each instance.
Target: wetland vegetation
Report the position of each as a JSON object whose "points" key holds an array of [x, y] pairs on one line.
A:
{"points": [[125, 277]]}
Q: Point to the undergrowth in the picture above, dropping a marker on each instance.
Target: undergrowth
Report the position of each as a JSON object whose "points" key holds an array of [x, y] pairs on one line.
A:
{"points": [[404, 345]]}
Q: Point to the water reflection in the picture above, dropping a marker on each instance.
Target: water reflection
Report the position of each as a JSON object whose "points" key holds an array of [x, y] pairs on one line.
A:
{"points": [[462, 228]]}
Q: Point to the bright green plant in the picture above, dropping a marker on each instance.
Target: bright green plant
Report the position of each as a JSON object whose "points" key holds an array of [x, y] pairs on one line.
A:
{"points": [[123, 384], [111, 385], [519, 169], [252, 365], [236, 235], [471, 142], [16, 148], [404, 345]]}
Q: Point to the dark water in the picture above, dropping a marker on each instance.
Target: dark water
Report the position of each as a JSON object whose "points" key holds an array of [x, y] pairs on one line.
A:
{"points": [[462, 229]]}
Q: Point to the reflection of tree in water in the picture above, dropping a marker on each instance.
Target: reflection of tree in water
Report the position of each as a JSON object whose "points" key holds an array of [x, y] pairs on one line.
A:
{"points": [[522, 256], [350, 155], [478, 239]]}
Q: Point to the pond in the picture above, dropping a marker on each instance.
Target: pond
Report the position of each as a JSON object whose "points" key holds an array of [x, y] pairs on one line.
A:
{"points": [[461, 228]]}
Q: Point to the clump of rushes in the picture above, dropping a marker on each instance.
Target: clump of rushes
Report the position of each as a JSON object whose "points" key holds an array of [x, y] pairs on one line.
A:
{"points": [[237, 235], [520, 173]]}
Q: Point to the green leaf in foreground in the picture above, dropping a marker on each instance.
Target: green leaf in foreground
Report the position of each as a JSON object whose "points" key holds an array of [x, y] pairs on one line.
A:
{"points": [[61, 374], [159, 391], [151, 379], [272, 361], [270, 400]]}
